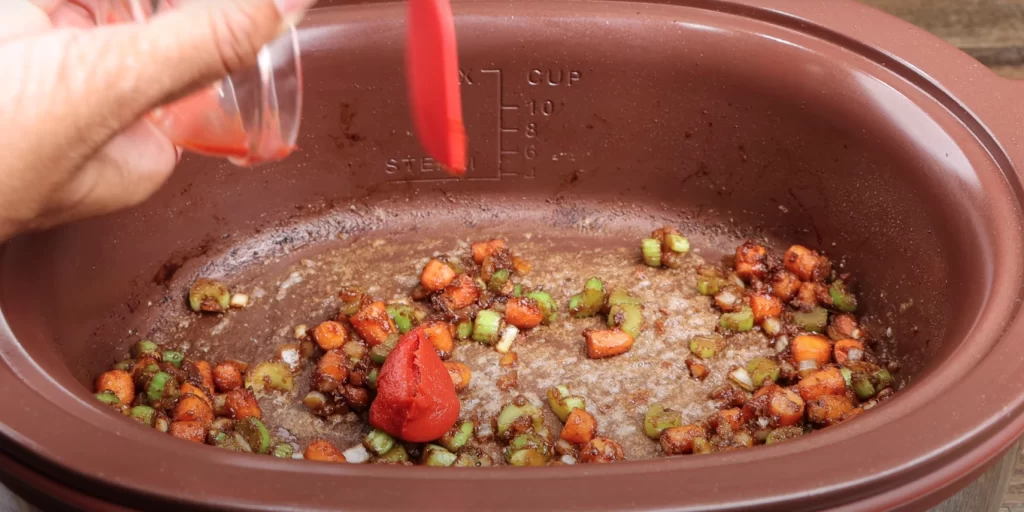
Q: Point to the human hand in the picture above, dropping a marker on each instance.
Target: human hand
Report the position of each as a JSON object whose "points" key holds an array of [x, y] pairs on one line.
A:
{"points": [[74, 142]]}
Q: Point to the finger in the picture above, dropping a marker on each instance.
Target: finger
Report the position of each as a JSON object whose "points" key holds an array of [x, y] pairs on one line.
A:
{"points": [[140, 160], [49, 6], [69, 14], [139, 67], [126, 171], [22, 18]]}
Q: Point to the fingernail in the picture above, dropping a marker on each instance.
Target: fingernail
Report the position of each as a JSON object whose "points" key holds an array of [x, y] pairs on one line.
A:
{"points": [[292, 11]]}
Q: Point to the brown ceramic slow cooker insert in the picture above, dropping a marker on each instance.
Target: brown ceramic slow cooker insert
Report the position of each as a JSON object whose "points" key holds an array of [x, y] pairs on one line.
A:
{"points": [[822, 123]]}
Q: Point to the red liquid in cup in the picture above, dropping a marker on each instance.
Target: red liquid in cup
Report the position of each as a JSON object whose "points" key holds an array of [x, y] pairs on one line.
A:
{"points": [[198, 123]]}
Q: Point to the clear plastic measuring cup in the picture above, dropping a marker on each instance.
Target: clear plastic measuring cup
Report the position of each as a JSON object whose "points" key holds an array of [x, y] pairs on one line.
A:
{"points": [[250, 117]]}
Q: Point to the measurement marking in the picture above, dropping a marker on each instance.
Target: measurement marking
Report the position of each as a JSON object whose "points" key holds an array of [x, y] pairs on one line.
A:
{"points": [[446, 180], [501, 106], [502, 152]]}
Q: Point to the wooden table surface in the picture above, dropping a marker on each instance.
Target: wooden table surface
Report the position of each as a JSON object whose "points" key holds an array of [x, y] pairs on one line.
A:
{"points": [[991, 31]]}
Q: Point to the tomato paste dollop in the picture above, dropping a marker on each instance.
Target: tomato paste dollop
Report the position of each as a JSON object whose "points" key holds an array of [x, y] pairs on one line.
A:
{"points": [[416, 399]]}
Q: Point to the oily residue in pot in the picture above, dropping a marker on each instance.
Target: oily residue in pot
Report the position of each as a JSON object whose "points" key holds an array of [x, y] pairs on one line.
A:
{"points": [[618, 389]]}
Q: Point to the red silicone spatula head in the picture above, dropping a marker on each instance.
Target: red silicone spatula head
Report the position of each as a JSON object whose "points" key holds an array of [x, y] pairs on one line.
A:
{"points": [[432, 76]]}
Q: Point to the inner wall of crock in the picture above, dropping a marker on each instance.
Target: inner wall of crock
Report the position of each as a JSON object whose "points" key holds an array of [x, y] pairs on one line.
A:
{"points": [[609, 116]]}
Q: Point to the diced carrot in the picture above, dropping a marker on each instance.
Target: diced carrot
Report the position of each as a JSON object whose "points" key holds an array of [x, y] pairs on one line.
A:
{"points": [[842, 349], [241, 404], [330, 372], [460, 373], [523, 312], [330, 335], [843, 326], [730, 396], [189, 388], [482, 250], [808, 265], [509, 360], [228, 375], [785, 285], [357, 377], [192, 408], [521, 266], [829, 381], [436, 275], [323, 451], [751, 261], [759, 405], [765, 306], [811, 347], [373, 323], [188, 430], [734, 418], [601, 450], [786, 407], [852, 413], [828, 409], [806, 297], [679, 440], [463, 292], [580, 427], [204, 373], [120, 383], [500, 259], [697, 369], [440, 335], [607, 342], [356, 397]]}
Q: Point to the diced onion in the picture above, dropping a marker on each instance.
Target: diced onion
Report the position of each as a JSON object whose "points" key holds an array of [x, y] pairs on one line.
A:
{"points": [[567, 459], [358, 454], [741, 377], [781, 344], [484, 431], [809, 364], [242, 443], [300, 331], [291, 357], [239, 300], [544, 432], [855, 354], [771, 326], [507, 338]]}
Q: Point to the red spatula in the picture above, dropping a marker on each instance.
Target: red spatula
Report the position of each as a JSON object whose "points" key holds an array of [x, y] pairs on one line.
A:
{"points": [[432, 76]]}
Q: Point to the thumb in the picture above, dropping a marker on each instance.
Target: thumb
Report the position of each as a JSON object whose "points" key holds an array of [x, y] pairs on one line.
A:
{"points": [[179, 51]]}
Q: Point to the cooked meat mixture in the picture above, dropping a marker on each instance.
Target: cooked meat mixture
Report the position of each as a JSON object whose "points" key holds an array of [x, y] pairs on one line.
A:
{"points": [[487, 354]]}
